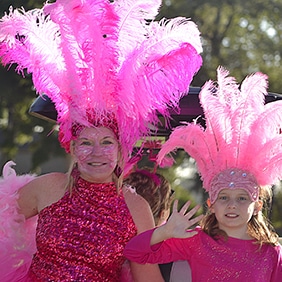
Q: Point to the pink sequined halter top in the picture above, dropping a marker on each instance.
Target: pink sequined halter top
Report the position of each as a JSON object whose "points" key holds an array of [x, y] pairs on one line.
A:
{"points": [[82, 236]]}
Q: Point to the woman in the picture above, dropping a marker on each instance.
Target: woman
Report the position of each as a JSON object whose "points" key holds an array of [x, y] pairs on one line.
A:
{"points": [[84, 219], [106, 65]]}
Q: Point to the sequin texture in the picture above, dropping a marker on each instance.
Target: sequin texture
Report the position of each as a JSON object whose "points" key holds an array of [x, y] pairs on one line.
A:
{"points": [[82, 236], [228, 260]]}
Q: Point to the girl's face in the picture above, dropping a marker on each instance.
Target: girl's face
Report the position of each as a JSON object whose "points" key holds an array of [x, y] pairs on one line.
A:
{"points": [[233, 209], [96, 151]]}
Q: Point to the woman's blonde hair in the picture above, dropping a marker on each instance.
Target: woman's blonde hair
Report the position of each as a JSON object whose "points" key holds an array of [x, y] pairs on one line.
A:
{"points": [[259, 227]]}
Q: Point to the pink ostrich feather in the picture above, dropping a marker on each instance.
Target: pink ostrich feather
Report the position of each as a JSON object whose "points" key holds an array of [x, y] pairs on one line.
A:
{"points": [[161, 69], [104, 56], [133, 24], [88, 38], [253, 90], [30, 40], [241, 131]]}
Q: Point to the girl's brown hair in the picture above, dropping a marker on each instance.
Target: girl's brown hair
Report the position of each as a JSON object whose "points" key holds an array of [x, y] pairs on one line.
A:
{"points": [[259, 227], [154, 188]]}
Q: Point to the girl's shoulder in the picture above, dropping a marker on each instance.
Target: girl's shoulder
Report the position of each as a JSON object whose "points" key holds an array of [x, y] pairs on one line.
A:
{"points": [[278, 250]]}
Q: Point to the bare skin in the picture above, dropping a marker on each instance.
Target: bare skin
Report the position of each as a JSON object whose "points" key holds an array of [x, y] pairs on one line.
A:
{"points": [[177, 224]]}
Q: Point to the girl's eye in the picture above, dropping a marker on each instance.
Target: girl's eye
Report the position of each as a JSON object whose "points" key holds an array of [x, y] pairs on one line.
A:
{"points": [[242, 198], [222, 198]]}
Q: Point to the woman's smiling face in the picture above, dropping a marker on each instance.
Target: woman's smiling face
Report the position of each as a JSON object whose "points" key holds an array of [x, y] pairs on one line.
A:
{"points": [[96, 151]]}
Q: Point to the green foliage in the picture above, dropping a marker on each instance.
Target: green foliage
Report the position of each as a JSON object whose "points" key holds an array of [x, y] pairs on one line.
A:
{"points": [[243, 36]]}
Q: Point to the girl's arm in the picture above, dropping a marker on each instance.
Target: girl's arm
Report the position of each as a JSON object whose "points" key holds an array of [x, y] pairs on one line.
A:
{"points": [[140, 249]]}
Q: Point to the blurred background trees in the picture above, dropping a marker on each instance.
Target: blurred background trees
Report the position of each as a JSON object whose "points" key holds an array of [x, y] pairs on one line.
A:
{"points": [[243, 36]]}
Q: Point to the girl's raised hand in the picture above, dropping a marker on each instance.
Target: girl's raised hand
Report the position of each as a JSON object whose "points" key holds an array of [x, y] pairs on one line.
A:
{"points": [[178, 224]]}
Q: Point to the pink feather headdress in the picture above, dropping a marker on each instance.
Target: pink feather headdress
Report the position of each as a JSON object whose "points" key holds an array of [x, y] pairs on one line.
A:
{"points": [[241, 145], [106, 58]]}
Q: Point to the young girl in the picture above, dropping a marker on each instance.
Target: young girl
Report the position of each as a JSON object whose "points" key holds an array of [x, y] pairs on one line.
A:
{"points": [[238, 160]]}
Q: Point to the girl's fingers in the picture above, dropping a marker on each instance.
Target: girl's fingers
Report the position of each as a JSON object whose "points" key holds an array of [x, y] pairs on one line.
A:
{"points": [[175, 205], [195, 220], [189, 214], [185, 207], [192, 211]]}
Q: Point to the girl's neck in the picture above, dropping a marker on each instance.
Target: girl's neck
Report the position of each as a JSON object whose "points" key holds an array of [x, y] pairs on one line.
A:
{"points": [[238, 234]]}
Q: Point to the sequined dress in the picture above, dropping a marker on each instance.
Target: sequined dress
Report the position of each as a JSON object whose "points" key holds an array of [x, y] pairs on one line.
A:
{"points": [[81, 237], [233, 260]]}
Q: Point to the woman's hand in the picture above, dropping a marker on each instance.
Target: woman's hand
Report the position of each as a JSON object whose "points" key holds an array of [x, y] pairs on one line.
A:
{"points": [[178, 224]]}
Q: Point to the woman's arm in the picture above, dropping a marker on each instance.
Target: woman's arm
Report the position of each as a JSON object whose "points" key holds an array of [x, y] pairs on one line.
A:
{"points": [[143, 218]]}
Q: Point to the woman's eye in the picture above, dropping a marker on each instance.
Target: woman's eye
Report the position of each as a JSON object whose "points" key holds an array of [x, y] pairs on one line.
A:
{"points": [[107, 142], [84, 143]]}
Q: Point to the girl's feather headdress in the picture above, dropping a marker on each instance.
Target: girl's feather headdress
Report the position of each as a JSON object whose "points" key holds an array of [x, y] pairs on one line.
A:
{"points": [[104, 58], [241, 145]]}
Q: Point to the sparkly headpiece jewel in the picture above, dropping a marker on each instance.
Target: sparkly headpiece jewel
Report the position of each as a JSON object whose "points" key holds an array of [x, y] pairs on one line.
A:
{"points": [[241, 145]]}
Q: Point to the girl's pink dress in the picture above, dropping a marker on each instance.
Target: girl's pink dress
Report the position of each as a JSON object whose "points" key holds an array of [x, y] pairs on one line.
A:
{"points": [[231, 260]]}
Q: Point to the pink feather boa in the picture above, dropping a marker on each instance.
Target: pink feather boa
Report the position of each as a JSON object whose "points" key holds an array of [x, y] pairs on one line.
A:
{"points": [[17, 235]]}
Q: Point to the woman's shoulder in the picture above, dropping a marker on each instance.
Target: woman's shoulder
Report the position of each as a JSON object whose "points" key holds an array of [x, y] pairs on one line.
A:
{"points": [[56, 177], [139, 208], [50, 181], [41, 192], [135, 200], [52, 188]]}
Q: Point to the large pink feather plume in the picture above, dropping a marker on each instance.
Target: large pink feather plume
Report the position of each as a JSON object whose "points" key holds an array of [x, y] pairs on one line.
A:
{"points": [[104, 56], [132, 26], [31, 40], [241, 131]]}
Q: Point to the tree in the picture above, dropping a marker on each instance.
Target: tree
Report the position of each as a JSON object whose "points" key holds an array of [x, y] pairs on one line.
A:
{"points": [[243, 36]]}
